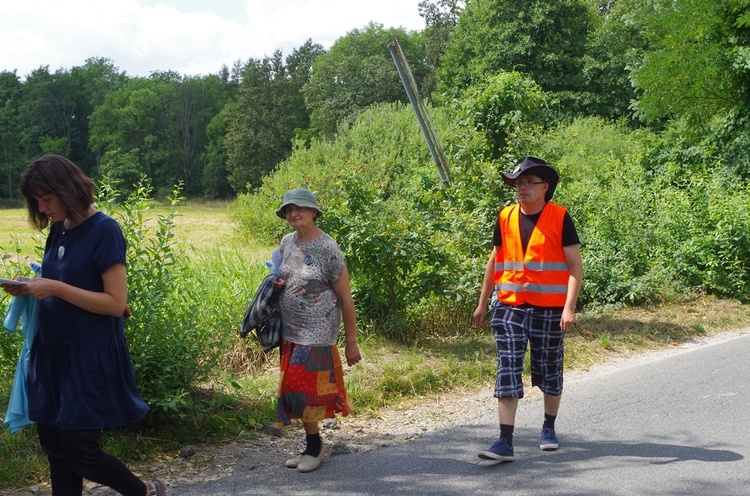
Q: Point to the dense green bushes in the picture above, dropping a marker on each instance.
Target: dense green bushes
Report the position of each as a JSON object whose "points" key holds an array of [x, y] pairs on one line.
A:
{"points": [[654, 226]]}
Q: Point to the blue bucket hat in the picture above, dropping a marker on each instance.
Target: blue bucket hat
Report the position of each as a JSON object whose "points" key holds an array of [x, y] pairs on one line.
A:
{"points": [[302, 197]]}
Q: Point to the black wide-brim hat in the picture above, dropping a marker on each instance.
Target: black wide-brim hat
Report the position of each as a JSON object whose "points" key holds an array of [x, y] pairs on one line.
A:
{"points": [[537, 167]]}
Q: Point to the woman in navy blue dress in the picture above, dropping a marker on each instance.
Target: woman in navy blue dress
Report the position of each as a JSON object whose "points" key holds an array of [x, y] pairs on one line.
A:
{"points": [[80, 378]]}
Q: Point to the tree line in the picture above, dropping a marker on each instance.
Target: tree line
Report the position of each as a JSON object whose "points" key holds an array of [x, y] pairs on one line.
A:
{"points": [[646, 62]]}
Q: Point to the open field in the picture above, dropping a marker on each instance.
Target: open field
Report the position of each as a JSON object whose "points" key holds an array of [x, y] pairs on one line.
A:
{"points": [[205, 226]]}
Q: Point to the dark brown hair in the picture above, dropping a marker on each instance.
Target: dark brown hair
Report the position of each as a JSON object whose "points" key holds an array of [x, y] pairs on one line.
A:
{"points": [[57, 175]]}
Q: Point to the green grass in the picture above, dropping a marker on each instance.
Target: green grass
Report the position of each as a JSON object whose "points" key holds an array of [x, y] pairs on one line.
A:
{"points": [[449, 355], [205, 226]]}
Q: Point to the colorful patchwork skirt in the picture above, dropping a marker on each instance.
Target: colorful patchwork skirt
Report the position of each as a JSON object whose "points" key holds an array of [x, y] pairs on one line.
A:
{"points": [[312, 384]]}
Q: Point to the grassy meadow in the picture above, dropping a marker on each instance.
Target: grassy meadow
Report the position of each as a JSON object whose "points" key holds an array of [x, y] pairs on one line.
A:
{"points": [[205, 226], [440, 360]]}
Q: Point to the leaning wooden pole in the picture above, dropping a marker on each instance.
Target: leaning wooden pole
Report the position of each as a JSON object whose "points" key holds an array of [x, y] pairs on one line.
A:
{"points": [[424, 120]]}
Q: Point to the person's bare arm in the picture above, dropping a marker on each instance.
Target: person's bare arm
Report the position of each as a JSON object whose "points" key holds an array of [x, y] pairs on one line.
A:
{"points": [[111, 301], [342, 288], [488, 284], [575, 266]]}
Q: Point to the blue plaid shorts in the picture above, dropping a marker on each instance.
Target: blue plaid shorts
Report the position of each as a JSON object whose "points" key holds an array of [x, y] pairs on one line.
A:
{"points": [[539, 328]]}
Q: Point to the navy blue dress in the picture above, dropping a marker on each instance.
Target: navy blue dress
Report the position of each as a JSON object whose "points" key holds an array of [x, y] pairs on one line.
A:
{"points": [[80, 375]]}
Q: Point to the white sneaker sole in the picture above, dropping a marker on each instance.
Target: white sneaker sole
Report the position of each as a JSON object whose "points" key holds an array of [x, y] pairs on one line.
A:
{"points": [[489, 455]]}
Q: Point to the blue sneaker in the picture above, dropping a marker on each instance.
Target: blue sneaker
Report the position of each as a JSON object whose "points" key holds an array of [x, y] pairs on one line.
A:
{"points": [[499, 451], [549, 440]]}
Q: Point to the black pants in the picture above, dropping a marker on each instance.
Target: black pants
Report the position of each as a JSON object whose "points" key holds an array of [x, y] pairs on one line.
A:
{"points": [[75, 455]]}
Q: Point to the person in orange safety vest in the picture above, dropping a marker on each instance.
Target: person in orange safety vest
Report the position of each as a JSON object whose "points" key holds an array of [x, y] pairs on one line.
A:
{"points": [[533, 278]]}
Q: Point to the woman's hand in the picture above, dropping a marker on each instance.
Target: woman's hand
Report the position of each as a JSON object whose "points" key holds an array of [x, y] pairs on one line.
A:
{"points": [[39, 288], [279, 284], [353, 356], [15, 289]]}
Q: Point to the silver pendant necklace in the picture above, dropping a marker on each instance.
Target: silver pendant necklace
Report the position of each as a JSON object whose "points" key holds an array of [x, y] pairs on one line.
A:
{"points": [[61, 250]]}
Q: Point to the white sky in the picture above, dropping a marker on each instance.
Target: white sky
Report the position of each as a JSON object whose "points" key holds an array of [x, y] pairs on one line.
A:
{"points": [[190, 37]]}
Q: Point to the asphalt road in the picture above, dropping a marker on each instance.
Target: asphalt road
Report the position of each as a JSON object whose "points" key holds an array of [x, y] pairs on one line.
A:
{"points": [[674, 423]]}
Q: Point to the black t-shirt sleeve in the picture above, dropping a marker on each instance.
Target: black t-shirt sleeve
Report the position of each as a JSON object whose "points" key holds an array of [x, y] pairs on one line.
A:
{"points": [[570, 235]]}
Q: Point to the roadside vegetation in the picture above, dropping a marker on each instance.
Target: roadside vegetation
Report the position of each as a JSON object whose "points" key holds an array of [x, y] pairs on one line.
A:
{"points": [[641, 106], [232, 389]]}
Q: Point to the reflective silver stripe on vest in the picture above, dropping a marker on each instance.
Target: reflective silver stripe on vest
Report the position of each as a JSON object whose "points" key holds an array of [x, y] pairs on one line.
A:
{"points": [[513, 288], [503, 266], [540, 266], [546, 288], [534, 288]]}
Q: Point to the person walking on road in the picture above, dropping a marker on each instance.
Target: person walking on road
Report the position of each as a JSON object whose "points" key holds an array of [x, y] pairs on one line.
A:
{"points": [[315, 296], [533, 276], [80, 378]]}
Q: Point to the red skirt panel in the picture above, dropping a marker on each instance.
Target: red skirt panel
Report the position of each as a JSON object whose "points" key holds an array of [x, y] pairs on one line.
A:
{"points": [[311, 387]]}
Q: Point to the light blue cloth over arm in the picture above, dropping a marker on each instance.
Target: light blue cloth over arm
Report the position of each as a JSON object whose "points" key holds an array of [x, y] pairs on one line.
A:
{"points": [[25, 309]]}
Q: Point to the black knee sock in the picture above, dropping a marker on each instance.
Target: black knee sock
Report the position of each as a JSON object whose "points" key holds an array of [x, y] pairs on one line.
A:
{"points": [[549, 421], [314, 445], [506, 432]]}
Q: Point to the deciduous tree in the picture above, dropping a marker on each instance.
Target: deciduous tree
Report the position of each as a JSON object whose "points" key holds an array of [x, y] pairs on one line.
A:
{"points": [[545, 39], [359, 71], [10, 132], [268, 111]]}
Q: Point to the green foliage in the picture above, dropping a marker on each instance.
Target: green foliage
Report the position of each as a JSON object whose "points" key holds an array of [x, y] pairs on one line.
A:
{"points": [[214, 179], [613, 47], [397, 257], [503, 110], [10, 135], [59, 146], [268, 110], [171, 348], [441, 18], [357, 72], [544, 39], [161, 120], [694, 66], [46, 109], [122, 169], [731, 140]]}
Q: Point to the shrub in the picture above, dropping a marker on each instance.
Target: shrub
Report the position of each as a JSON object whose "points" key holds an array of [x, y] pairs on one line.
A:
{"points": [[382, 203], [172, 349]]}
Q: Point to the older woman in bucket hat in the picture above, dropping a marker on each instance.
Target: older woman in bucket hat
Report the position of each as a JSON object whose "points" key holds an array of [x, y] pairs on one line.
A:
{"points": [[533, 276], [316, 294]]}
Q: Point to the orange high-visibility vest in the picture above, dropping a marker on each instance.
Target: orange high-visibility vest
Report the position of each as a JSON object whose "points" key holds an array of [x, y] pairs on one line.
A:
{"points": [[538, 277]]}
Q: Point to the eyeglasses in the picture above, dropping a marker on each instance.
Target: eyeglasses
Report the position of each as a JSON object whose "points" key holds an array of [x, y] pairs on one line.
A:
{"points": [[527, 183]]}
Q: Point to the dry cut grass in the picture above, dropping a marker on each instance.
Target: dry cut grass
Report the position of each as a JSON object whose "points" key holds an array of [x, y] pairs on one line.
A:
{"points": [[203, 226]]}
